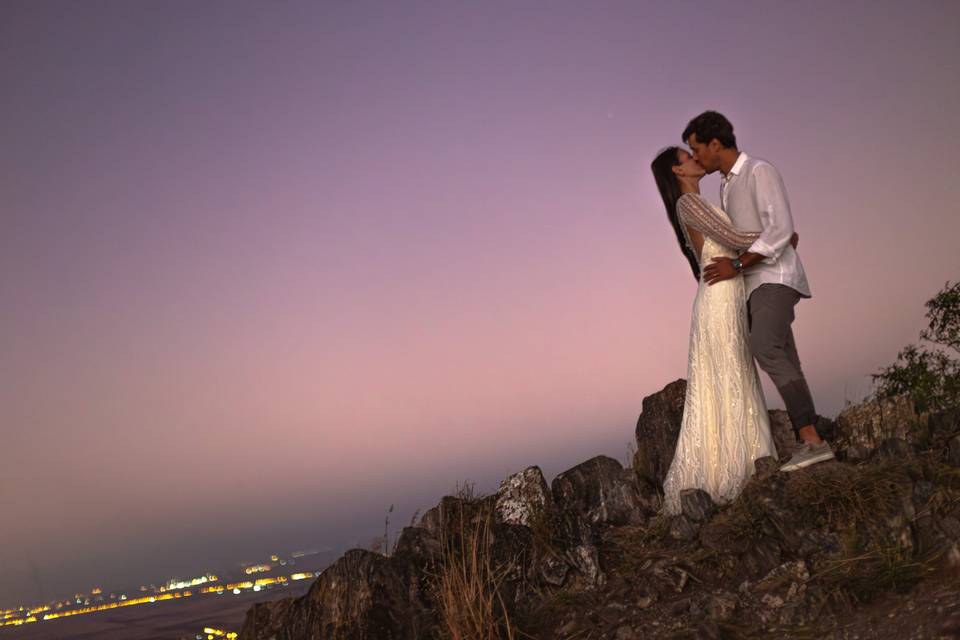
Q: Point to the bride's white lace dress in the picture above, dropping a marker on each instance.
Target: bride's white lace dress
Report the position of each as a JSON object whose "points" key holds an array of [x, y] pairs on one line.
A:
{"points": [[725, 422]]}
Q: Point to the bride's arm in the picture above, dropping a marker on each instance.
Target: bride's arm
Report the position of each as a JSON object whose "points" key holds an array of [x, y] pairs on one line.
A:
{"points": [[695, 212]]}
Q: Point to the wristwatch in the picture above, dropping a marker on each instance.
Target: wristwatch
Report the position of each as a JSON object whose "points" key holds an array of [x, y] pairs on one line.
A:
{"points": [[737, 264]]}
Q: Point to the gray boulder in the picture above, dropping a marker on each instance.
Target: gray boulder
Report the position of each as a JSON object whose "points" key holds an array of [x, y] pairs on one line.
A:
{"points": [[657, 430], [522, 495], [600, 491], [863, 427]]}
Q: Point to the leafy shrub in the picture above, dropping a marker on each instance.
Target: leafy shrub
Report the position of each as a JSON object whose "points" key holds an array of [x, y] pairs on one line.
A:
{"points": [[929, 372]]}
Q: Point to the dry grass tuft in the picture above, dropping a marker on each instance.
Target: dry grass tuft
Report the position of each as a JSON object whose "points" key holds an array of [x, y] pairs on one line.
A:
{"points": [[739, 524], [841, 495], [467, 585], [855, 579], [858, 502]]}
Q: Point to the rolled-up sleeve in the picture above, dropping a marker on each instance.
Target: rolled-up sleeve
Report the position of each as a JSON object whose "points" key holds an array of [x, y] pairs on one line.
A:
{"points": [[774, 209]]}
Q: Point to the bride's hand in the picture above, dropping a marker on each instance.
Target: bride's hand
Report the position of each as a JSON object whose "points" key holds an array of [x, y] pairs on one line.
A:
{"points": [[795, 239]]}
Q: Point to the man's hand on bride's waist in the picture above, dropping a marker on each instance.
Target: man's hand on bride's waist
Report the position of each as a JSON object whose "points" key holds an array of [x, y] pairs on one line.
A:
{"points": [[725, 268], [719, 270]]}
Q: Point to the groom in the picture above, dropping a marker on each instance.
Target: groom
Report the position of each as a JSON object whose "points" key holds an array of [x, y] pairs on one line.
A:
{"points": [[753, 195]]}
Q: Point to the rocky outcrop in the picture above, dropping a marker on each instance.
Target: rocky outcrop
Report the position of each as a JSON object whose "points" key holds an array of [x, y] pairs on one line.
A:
{"points": [[863, 427], [589, 554], [363, 595], [522, 495], [602, 492], [544, 537]]}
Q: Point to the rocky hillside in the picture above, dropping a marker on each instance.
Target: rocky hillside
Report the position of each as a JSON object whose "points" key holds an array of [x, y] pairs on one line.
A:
{"points": [[862, 547]]}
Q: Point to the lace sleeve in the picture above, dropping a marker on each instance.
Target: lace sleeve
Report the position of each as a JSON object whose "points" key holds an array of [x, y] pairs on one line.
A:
{"points": [[686, 236], [693, 210]]}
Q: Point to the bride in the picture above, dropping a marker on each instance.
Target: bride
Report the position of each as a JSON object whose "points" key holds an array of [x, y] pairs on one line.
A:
{"points": [[725, 423]]}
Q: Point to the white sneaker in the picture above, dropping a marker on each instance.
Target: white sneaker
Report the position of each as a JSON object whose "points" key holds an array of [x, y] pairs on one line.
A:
{"points": [[806, 454]]}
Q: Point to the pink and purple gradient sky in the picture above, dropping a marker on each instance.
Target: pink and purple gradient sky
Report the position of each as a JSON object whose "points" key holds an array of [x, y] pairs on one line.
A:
{"points": [[269, 268]]}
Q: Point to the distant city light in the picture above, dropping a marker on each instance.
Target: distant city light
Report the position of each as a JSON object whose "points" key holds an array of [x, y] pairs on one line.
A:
{"points": [[173, 589], [258, 568]]}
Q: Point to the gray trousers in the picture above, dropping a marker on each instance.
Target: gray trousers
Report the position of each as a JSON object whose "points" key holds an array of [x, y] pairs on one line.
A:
{"points": [[770, 314]]}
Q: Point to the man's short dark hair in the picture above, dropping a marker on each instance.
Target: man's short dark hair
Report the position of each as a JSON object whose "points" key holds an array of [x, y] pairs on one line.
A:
{"points": [[709, 125]]}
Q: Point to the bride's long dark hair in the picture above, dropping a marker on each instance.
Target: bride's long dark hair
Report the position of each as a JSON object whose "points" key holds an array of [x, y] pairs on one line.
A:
{"points": [[669, 186]]}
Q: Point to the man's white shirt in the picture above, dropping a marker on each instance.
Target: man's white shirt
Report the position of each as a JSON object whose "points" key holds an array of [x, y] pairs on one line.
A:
{"points": [[754, 197]]}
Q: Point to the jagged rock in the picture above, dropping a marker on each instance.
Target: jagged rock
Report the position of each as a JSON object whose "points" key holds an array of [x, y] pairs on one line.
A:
{"points": [[787, 574], [430, 520], [521, 495], [600, 491], [582, 553], [554, 570], [416, 543], [416, 550], [765, 467], [509, 548], [721, 605], [764, 554], [361, 595], [572, 558], [861, 428], [657, 430], [894, 448], [696, 504], [782, 592], [265, 620], [682, 528], [784, 438]]}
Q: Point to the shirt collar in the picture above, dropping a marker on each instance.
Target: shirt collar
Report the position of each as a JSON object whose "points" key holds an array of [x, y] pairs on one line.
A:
{"points": [[737, 166]]}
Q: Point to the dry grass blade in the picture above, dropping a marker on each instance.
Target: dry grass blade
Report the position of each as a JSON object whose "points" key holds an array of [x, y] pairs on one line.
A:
{"points": [[468, 585]]}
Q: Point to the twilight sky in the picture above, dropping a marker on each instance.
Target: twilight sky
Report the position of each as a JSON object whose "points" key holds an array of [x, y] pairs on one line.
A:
{"points": [[267, 268]]}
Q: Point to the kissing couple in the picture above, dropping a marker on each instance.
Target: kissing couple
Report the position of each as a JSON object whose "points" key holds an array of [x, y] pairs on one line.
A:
{"points": [[743, 255]]}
